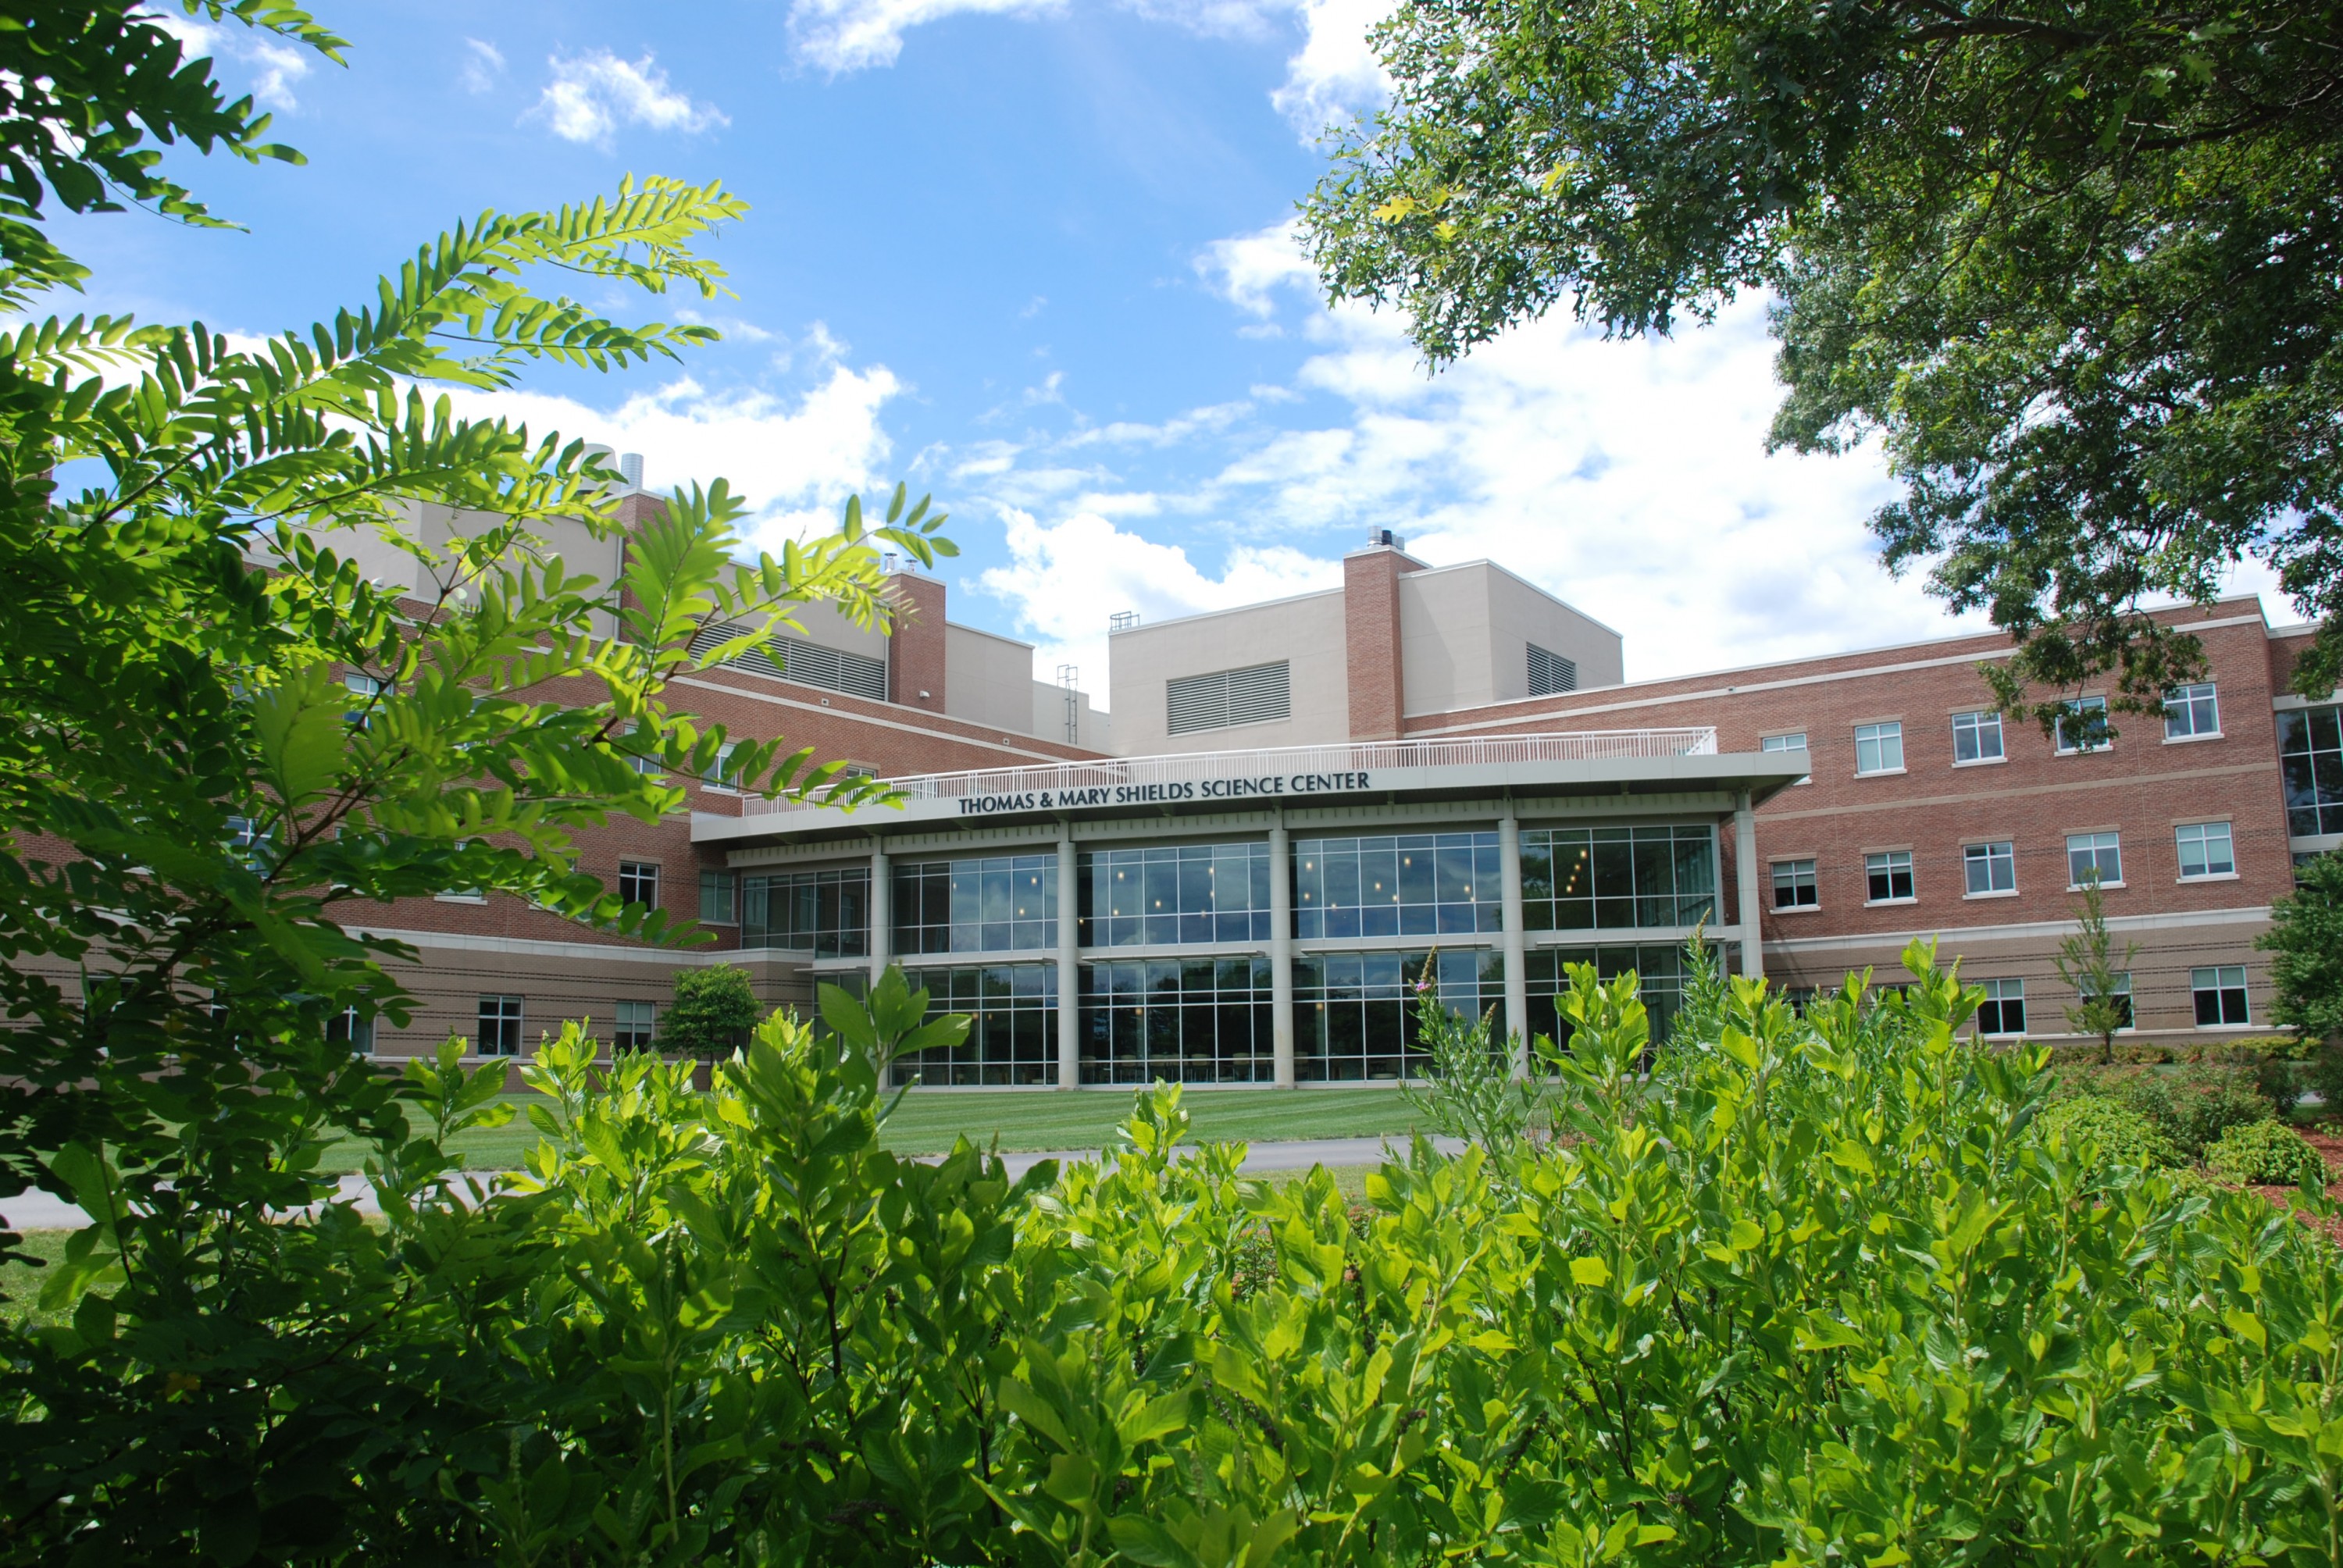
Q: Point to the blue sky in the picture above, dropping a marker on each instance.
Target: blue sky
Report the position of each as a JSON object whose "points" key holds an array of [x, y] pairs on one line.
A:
{"points": [[1034, 258]]}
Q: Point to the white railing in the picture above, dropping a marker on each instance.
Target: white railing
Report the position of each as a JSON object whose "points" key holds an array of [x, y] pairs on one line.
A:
{"points": [[1358, 756]]}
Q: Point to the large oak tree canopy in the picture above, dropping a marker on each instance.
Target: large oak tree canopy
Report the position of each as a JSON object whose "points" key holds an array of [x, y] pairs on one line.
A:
{"points": [[2078, 263]]}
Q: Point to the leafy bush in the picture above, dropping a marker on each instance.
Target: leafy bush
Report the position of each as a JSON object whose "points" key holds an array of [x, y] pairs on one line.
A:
{"points": [[714, 1010], [2194, 1107], [2262, 1153], [1820, 1288], [2120, 1136]]}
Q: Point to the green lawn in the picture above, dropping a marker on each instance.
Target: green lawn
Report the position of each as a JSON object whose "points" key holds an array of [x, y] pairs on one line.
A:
{"points": [[21, 1284], [928, 1120]]}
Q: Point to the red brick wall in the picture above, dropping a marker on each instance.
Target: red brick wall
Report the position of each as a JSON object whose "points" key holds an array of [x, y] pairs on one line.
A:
{"points": [[1370, 642], [915, 655]]}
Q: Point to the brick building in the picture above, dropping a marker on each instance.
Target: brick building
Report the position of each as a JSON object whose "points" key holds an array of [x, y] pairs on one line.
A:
{"points": [[1813, 815]]}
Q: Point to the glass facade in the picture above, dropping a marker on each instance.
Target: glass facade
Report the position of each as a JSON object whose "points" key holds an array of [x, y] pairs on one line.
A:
{"points": [[1175, 893], [1406, 885], [1616, 878], [2310, 760], [1185, 1020], [1659, 970], [1003, 903], [825, 913], [1354, 1016], [1012, 1028]]}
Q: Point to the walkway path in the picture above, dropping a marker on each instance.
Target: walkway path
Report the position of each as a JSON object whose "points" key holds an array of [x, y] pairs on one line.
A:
{"points": [[42, 1211]]}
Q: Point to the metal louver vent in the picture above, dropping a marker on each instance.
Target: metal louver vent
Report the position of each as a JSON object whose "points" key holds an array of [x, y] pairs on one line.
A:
{"points": [[806, 663], [1551, 673], [1225, 697]]}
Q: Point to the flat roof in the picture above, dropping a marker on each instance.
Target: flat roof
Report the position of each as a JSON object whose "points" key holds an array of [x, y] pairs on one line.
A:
{"points": [[1595, 764]]}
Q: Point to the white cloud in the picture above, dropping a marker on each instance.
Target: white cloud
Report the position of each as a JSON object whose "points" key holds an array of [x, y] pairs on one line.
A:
{"points": [[593, 94], [1335, 73], [1065, 578], [853, 35], [794, 459], [1629, 477], [275, 65], [483, 64]]}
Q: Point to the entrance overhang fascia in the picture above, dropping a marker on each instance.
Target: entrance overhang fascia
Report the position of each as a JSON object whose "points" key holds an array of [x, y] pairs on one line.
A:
{"points": [[1584, 783]]}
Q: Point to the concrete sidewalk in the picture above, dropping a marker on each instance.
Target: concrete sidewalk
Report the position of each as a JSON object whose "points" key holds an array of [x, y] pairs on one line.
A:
{"points": [[42, 1211]]}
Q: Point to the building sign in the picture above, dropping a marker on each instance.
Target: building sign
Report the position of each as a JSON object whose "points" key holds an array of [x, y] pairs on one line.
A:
{"points": [[1263, 787]]}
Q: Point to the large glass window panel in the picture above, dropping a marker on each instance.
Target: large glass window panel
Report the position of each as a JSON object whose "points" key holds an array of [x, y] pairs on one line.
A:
{"points": [[1187, 894], [825, 913], [1003, 903], [1184, 1021], [1660, 977], [1617, 878], [2310, 762], [1013, 1029], [1404, 885], [1355, 1016]]}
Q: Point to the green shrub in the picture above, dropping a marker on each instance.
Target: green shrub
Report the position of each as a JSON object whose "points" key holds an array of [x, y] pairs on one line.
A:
{"points": [[2121, 1136], [2195, 1106], [1819, 1290], [2263, 1154], [2323, 1072], [2248, 1049]]}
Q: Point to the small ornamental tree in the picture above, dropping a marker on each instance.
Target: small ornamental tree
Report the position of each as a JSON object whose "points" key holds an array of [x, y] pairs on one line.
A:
{"points": [[715, 1008], [2304, 943], [2087, 962]]}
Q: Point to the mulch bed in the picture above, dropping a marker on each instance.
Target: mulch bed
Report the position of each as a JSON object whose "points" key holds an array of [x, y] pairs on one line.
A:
{"points": [[2327, 1139]]}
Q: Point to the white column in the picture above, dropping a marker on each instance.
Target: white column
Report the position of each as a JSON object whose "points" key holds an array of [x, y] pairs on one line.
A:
{"points": [[882, 922], [1517, 980], [1069, 963], [1744, 866], [1281, 954]]}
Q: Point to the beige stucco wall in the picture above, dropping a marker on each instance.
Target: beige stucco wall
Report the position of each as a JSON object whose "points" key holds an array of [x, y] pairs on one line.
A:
{"points": [[988, 678], [1465, 632], [1091, 728], [1307, 632]]}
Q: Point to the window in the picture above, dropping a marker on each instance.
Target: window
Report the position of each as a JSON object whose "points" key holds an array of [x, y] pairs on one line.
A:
{"points": [[1191, 1021], [365, 689], [2085, 727], [1794, 741], [1977, 737], [2094, 857], [1990, 867], [825, 913], [636, 1024], [2121, 995], [2004, 1013], [720, 772], [2205, 850], [1256, 694], [1001, 903], [1012, 1025], [247, 843], [794, 658], [2220, 995], [1551, 673], [1174, 893], [1879, 748], [1608, 878], [2311, 762], [352, 1028], [1889, 874], [1794, 885], [471, 895], [499, 1031], [715, 898], [1661, 973], [1411, 884], [1355, 1016], [638, 884], [2191, 712]]}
